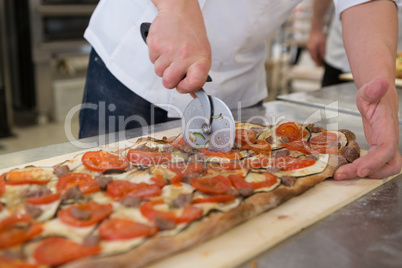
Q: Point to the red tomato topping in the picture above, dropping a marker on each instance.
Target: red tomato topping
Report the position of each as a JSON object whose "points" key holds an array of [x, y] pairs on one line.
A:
{"points": [[238, 181], [286, 162], [245, 136], [100, 161], [182, 169], [178, 143], [259, 146], [231, 165], [47, 199], [326, 150], [324, 138], [189, 214], [215, 199], [230, 155], [120, 229], [11, 233], [148, 211], [33, 176], [2, 184], [84, 181], [299, 145], [97, 211], [121, 189], [270, 180], [57, 250], [139, 157], [11, 263], [261, 162], [212, 185], [289, 130]]}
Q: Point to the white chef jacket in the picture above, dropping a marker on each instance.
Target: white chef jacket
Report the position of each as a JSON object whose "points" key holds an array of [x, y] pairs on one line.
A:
{"points": [[335, 54], [237, 31]]}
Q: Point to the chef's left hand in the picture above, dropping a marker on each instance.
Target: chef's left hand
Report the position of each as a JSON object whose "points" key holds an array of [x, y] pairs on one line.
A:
{"points": [[377, 102]]}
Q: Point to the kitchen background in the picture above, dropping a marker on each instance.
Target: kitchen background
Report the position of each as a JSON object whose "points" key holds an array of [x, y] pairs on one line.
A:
{"points": [[43, 60]]}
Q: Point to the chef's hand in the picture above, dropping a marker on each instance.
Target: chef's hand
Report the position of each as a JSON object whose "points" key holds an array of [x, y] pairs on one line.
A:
{"points": [[178, 45], [378, 105], [316, 45]]}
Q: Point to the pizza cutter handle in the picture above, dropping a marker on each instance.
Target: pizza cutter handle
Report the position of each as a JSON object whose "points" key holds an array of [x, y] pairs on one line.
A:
{"points": [[144, 28], [207, 108]]}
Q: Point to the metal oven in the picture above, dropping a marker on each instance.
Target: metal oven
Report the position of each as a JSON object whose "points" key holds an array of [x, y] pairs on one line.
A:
{"points": [[59, 53]]}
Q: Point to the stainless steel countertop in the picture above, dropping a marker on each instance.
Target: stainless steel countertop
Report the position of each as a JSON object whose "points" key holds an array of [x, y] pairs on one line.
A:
{"points": [[366, 233], [342, 97]]}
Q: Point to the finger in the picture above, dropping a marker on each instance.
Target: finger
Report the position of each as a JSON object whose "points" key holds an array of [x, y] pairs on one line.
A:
{"points": [[374, 90], [173, 74], [160, 65], [196, 76], [322, 53], [391, 168], [377, 157], [346, 172]]}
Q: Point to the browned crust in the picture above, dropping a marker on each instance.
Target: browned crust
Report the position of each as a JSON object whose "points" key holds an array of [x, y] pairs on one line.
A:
{"points": [[211, 226]]}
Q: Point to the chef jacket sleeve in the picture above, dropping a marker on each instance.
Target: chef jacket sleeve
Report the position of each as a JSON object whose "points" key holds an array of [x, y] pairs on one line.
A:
{"points": [[342, 5]]}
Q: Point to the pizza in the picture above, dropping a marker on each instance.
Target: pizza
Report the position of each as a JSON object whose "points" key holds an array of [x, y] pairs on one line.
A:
{"points": [[136, 205]]}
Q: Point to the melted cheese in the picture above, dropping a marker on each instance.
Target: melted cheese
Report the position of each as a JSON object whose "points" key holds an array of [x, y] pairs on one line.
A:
{"points": [[56, 227], [171, 192], [218, 206]]}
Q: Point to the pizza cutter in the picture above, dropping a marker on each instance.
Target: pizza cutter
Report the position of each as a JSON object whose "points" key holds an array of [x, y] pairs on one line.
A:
{"points": [[207, 121]]}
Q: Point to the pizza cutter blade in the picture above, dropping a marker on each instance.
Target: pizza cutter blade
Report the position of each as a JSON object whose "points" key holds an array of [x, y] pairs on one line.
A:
{"points": [[208, 123]]}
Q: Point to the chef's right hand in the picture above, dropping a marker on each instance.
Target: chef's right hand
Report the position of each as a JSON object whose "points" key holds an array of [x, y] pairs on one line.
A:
{"points": [[178, 45]]}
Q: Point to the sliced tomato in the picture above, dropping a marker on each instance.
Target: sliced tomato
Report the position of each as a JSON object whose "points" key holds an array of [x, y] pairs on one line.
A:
{"points": [[121, 189], [178, 143], [245, 136], [270, 179], [229, 155], [11, 263], [324, 138], [215, 199], [46, 199], [158, 180], [2, 183], [31, 176], [259, 146], [289, 130], [189, 214], [148, 211], [100, 161], [326, 150], [142, 158], [11, 233], [121, 229], [182, 169], [98, 213], [212, 185], [298, 145], [261, 162], [231, 165], [84, 181], [57, 250], [144, 190], [238, 181], [285, 162]]}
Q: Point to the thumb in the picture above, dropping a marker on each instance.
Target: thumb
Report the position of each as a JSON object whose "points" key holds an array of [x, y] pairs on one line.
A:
{"points": [[373, 91]]}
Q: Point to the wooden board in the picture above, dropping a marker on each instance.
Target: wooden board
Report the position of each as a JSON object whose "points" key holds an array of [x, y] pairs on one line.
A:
{"points": [[254, 237]]}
